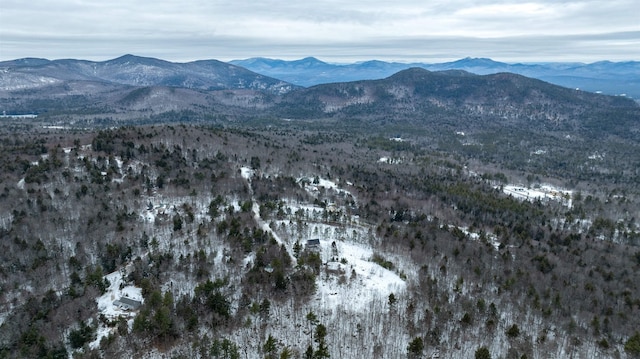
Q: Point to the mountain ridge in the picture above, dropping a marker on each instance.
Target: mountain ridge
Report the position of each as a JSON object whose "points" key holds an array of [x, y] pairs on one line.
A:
{"points": [[420, 96], [138, 71], [613, 78], [133, 87], [425, 214]]}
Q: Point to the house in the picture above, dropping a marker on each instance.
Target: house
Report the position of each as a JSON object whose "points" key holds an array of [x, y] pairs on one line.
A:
{"points": [[127, 303], [313, 244]]}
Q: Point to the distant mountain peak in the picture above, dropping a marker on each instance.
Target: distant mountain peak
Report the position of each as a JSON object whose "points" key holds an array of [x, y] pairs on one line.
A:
{"points": [[309, 61], [412, 72], [478, 61], [125, 57], [129, 58]]}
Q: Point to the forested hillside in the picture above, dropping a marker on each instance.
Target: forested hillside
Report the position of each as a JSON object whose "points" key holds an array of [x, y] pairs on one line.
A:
{"points": [[298, 241]]}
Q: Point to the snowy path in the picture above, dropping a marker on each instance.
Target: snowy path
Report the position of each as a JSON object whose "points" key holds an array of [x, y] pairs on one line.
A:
{"points": [[247, 173]]}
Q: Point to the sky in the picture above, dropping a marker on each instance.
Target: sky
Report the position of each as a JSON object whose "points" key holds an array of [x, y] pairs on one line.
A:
{"points": [[340, 31]]}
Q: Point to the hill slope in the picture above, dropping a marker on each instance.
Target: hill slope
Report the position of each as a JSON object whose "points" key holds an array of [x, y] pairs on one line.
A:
{"points": [[130, 87], [259, 242], [417, 96]]}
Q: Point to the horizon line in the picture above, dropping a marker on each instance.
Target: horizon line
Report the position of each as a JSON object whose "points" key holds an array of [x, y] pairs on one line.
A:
{"points": [[317, 58]]}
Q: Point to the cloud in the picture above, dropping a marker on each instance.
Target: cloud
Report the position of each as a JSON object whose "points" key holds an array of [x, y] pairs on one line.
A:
{"points": [[335, 30]]}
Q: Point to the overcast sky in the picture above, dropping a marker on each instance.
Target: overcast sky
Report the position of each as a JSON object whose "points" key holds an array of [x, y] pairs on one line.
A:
{"points": [[331, 30]]}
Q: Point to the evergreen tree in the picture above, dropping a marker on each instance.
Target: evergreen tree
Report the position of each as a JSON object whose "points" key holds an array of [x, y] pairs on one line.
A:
{"points": [[177, 222], [632, 346], [265, 308], [415, 347], [286, 353], [270, 347], [322, 351], [308, 354], [483, 353], [321, 333], [513, 331], [392, 300], [224, 349]]}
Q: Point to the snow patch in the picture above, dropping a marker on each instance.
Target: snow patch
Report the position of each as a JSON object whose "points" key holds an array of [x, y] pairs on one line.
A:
{"points": [[489, 237], [596, 156], [111, 311], [246, 172], [366, 282], [389, 160], [312, 186], [544, 192]]}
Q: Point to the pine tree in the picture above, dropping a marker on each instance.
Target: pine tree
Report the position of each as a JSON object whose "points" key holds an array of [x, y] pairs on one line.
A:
{"points": [[632, 346], [308, 354], [321, 332], [322, 351], [270, 347], [286, 353], [483, 353], [265, 308], [415, 347], [513, 331], [392, 300]]}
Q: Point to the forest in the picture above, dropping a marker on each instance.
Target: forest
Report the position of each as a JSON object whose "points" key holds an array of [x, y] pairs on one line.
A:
{"points": [[278, 239]]}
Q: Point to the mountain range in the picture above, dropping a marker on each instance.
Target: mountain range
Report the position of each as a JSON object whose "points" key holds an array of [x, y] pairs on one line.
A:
{"points": [[613, 78], [133, 70], [201, 210], [141, 89], [127, 86], [279, 76]]}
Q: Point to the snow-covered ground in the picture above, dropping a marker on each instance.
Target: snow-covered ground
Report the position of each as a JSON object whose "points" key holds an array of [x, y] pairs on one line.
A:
{"points": [[246, 173], [349, 278], [313, 185], [390, 160], [106, 305], [350, 284], [489, 237], [363, 281], [544, 192]]}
